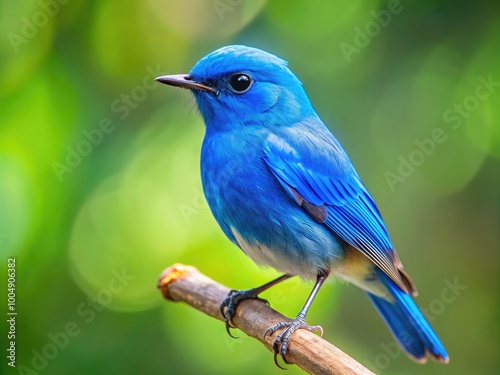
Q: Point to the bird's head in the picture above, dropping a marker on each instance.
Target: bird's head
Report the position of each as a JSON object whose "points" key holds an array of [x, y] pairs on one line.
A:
{"points": [[244, 86]]}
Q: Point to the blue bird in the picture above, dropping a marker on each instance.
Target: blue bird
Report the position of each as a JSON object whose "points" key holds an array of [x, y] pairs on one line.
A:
{"points": [[284, 191]]}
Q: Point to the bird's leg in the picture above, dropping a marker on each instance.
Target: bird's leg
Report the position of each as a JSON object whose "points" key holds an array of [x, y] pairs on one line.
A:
{"points": [[234, 297], [282, 341]]}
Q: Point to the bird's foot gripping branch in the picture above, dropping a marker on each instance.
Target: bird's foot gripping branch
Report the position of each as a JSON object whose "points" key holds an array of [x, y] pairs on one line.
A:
{"points": [[307, 350]]}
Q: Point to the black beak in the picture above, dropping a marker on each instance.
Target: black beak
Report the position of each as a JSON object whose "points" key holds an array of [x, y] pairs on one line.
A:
{"points": [[184, 81]]}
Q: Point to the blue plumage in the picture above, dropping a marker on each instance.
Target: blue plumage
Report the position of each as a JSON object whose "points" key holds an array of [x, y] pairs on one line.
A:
{"points": [[407, 324], [283, 189]]}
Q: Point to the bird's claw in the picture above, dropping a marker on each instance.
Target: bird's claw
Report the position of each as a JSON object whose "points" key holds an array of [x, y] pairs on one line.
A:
{"points": [[282, 341], [231, 302]]}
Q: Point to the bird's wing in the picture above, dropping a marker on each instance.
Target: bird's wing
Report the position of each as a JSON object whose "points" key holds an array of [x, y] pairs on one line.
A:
{"points": [[330, 190]]}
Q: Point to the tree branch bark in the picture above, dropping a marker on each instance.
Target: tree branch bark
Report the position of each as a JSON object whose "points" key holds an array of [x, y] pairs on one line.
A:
{"points": [[307, 350]]}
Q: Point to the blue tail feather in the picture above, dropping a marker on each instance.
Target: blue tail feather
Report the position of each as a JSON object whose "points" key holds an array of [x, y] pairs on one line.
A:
{"points": [[408, 324]]}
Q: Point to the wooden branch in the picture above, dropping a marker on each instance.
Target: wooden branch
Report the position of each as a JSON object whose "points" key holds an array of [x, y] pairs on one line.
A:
{"points": [[307, 350]]}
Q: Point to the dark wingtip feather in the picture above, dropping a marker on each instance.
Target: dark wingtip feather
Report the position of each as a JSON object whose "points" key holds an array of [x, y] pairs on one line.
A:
{"points": [[440, 358]]}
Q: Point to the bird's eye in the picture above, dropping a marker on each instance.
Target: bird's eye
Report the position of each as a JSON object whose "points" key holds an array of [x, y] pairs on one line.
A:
{"points": [[240, 83]]}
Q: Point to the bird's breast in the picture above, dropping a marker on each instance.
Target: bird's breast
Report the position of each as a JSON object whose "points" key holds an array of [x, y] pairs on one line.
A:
{"points": [[255, 212], [235, 178]]}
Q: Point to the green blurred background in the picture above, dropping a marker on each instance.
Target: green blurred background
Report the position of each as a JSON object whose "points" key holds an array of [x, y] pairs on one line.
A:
{"points": [[100, 188]]}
